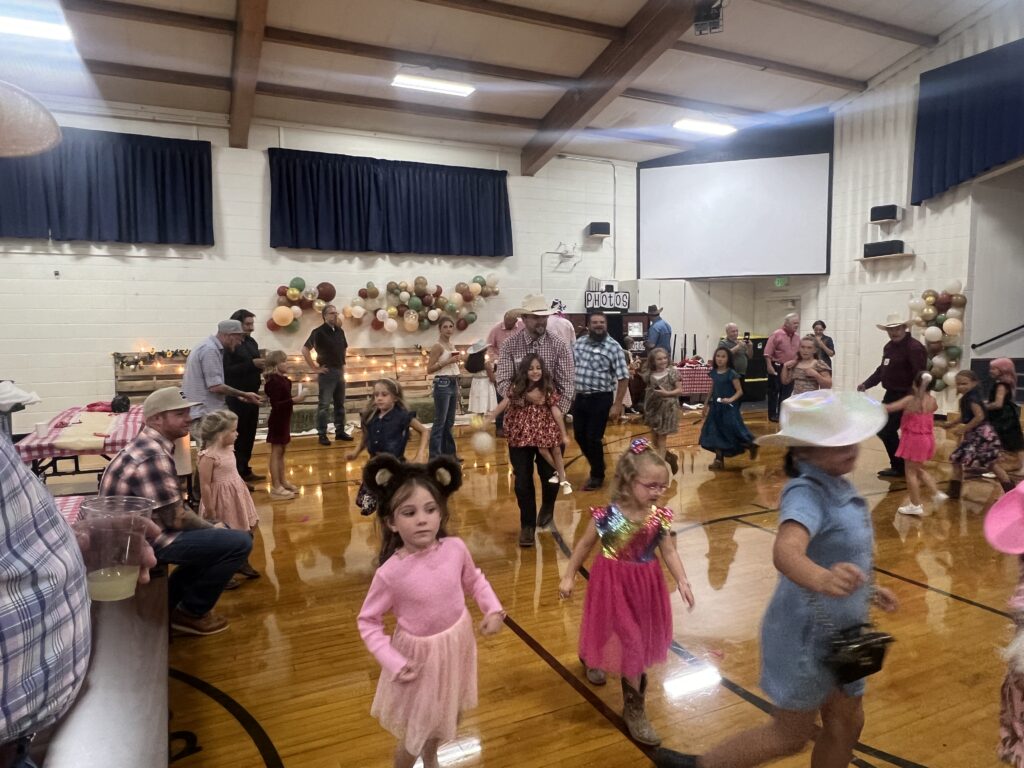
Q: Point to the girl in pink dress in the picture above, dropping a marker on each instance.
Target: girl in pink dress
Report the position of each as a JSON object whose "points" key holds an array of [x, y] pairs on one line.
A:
{"points": [[223, 495], [627, 617], [428, 666], [917, 442], [533, 418]]}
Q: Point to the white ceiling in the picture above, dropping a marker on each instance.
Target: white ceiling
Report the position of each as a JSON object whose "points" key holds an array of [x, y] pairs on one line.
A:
{"points": [[756, 28]]}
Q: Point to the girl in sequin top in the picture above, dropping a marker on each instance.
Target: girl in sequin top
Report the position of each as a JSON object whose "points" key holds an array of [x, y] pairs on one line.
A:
{"points": [[627, 616]]}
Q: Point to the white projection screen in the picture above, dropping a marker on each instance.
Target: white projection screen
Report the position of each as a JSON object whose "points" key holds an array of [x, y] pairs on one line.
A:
{"points": [[739, 218]]}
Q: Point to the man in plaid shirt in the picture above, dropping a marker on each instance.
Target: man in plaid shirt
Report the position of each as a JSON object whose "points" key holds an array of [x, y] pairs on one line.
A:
{"points": [[557, 357], [44, 609], [207, 556]]}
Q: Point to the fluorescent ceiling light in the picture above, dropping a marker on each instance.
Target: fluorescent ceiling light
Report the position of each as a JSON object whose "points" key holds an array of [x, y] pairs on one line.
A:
{"points": [[703, 127], [432, 85], [26, 28]]}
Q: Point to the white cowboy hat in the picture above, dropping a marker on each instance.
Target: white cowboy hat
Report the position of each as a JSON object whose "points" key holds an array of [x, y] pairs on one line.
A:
{"points": [[892, 320], [26, 126], [536, 305], [477, 346], [827, 419]]}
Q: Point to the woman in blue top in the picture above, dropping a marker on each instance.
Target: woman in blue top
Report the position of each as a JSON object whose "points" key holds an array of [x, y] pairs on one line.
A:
{"points": [[386, 423], [823, 552]]}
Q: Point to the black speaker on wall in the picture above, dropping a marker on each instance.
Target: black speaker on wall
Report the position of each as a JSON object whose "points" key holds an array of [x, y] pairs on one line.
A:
{"points": [[599, 229], [885, 248], [886, 213]]}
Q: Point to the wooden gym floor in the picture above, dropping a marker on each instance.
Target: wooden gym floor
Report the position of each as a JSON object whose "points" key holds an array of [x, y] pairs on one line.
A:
{"points": [[290, 683]]}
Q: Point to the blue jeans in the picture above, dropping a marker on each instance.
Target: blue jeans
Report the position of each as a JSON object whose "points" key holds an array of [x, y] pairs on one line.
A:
{"points": [[207, 558], [332, 392], [446, 393]]}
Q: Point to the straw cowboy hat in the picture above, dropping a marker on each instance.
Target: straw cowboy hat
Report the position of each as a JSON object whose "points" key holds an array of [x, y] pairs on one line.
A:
{"points": [[1004, 523], [892, 320], [827, 419], [26, 126], [536, 305]]}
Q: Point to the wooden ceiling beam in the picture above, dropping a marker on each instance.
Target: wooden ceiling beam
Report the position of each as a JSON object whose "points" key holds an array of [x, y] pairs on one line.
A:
{"points": [[153, 75], [429, 60], [532, 16], [638, 136], [149, 15], [245, 68], [712, 107], [651, 32], [853, 21], [775, 67]]}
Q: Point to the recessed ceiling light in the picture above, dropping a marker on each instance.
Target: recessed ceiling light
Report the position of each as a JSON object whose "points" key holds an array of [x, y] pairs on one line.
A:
{"points": [[703, 127], [432, 85], [27, 28]]}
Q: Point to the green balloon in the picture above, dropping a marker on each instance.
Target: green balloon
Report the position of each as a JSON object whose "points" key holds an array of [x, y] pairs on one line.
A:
{"points": [[415, 303], [297, 283], [953, 353], [424, 324], [451, 307], [293, 326], [480, 280], [939, 320], [938, 385], [471, 317]]}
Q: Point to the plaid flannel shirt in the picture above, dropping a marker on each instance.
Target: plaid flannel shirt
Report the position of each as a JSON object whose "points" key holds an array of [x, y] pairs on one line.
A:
{"points": [[600, 366], [555, 354], [45, 638]]}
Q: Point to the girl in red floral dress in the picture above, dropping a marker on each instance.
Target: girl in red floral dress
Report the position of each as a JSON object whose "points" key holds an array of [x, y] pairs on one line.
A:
{"points": [[533, 418]]}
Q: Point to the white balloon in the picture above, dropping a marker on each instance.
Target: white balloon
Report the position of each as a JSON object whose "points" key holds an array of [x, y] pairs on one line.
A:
{"points": [[457, 300], [479, 303], [492, 280], [358, 312], [955, 313], [297, 312], [916, 305], [933, 333], [482, 442], [382, 315], [390, 324], [954, 286], [939, 363], [358, 302], [433, 314], [403, 297], [950, 378]]}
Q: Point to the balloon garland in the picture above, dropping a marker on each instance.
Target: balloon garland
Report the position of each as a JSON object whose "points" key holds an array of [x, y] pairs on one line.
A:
{"points": [[418, 305], [296, 297], [941, 315]]}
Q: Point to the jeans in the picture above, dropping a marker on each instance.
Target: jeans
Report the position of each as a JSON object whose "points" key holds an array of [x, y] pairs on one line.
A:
{"points": [[589, 420], [446, 394], [248, 417], [523, 461], [890, 433], [777, 391], [332, 390], [207, 558]]}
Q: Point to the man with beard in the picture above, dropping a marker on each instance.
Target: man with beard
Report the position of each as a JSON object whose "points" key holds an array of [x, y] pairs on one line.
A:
{"points": [[242, 367], [330, 344], [601, 380]]}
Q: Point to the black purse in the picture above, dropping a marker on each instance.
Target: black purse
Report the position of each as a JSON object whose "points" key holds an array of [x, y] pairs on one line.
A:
{"points": [[857, 652]]}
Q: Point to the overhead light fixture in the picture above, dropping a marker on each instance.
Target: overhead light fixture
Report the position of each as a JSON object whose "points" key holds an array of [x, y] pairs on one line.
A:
{"points": [[704, 127], [432, 85], [27, 28]]}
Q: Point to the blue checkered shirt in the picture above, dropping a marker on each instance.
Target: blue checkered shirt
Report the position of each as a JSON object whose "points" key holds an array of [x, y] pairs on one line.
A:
{"points": [[599, 365], [45, 638]]}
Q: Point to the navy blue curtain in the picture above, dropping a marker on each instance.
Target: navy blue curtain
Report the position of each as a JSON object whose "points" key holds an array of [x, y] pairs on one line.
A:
{"points": [[342, 203], [970, 118], [110, 187]]}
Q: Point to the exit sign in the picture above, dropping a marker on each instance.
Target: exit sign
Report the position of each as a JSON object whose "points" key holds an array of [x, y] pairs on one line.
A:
{"points": [[781, 282]]}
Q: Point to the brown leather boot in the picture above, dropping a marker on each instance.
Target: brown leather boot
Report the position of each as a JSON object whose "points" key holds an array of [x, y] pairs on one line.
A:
{"points": [[639, 726], [954, 489]]}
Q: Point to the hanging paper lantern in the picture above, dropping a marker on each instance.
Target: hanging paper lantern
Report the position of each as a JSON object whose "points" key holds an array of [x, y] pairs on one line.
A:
{"points": [[953, 327], [318, 305], [282, 290], [391, 325], [296, 312], [933, 334], [954, 286], [326, 291], [293, 294], [282, 316], [298, 282], [272, 326]]}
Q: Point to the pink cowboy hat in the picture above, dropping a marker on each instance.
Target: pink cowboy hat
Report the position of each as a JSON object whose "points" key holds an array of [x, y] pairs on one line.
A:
{"points": [[1004, 523]]}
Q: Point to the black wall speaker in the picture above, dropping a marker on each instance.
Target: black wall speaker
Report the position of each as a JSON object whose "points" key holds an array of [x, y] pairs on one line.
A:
{"points": [[599, 229], [885, 248], [886, 213]]}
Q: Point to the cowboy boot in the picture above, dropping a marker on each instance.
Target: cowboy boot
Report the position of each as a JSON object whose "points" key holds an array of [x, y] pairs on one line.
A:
{"points": [[954, 489], [639, 726]]}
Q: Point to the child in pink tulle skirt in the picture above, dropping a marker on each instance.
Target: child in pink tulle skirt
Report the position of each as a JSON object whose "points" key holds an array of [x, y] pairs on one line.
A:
{"points": [[627, 617], [428, 666], [917, 442]]}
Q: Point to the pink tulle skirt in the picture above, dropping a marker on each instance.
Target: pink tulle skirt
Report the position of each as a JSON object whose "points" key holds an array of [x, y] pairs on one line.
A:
{"points": [[431, 705], [1011, 720], [627, 617]]}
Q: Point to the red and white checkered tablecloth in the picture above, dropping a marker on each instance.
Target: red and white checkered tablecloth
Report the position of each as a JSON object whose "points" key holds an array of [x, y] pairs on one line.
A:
{"points": [[695, 379], [69, 507], [126, 427]]}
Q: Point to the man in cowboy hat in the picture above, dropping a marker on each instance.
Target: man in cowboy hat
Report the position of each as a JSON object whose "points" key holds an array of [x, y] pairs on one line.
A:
{"points": [[557, 359], [659, 334], [902, 358]]}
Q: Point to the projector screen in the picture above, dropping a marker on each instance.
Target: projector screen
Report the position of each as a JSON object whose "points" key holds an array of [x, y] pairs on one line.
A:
{"points": [[741, 218]]}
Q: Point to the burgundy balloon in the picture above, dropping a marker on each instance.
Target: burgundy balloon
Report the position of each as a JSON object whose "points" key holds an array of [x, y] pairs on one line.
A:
{"points": [[428, 299], [944, 301], [306, 303], [326, 291], [282, 290], [363, 293], [461, 324], [377, 325], [438, 290], [272, 326]]}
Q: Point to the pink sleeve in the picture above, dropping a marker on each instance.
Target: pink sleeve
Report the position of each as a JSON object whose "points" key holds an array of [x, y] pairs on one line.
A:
{"points": [[475, 583], [769, 348], [371, 626]]}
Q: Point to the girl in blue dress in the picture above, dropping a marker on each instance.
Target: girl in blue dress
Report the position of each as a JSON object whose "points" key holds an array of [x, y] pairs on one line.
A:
{"points": [[724, 433], [823, 552]]}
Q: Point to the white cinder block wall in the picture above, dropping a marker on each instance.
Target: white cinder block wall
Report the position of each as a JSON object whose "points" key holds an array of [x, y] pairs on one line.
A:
{"points": [[59, 330]]}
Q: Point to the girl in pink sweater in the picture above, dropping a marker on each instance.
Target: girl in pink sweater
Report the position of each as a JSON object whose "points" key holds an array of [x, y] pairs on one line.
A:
{"points": [[428, 666]]}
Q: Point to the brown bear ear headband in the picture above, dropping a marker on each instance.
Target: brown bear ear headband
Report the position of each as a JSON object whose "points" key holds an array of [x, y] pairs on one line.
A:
{"points": [[384, 474]]}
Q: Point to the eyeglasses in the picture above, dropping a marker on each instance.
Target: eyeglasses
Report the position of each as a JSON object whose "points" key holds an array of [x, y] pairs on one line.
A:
{"points": [[654, 487]]}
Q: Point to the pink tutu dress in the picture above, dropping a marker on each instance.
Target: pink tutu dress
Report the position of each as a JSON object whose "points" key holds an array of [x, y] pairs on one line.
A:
{"points": [[1011, 710], [226, 493], [917, 436], [627, 617], [426, 591]]}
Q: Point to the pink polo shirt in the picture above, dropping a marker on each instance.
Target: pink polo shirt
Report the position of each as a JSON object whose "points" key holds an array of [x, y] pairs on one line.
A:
{"points": [[782, 347]]}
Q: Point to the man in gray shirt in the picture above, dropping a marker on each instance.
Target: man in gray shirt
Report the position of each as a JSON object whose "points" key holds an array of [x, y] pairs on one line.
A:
{"points": [[204, 373], [742, 350]]}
